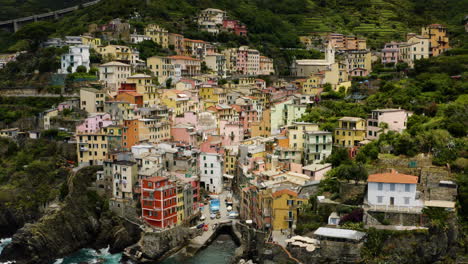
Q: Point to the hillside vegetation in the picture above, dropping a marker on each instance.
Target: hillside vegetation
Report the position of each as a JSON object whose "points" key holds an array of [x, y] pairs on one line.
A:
{"points": [[20, 8]]}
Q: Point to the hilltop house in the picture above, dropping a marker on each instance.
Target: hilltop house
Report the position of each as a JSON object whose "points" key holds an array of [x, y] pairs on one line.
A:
{"points": [[393, 189]]}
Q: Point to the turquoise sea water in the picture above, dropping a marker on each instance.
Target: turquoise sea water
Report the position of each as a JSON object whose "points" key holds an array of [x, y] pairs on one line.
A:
{"points": [[87, 255], [219, 252]]}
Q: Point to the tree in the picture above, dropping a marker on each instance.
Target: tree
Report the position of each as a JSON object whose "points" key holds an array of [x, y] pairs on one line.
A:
{"points": [[36, 33], [81, 69], [339, 156], [204, 67], [168, 83]]}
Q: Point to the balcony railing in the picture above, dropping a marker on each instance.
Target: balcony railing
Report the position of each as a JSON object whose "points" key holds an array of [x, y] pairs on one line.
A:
{"points": [[289, 218]]}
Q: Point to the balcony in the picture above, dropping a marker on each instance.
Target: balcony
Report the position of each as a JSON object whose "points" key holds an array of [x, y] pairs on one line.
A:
{"points": [[289, 218], [82, 149]]}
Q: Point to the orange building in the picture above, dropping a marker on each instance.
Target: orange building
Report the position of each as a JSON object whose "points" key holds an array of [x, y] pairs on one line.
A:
{"points": [[130, 133], [130, 97]]}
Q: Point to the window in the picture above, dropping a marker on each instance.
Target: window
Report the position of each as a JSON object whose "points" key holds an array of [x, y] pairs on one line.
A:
{"points": [[406, 200], [379, 199], [392, 187], [407, 187], [380, 186], [290, 202]]}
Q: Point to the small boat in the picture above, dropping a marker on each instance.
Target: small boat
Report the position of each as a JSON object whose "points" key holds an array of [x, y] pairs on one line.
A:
{"points": [[213, 216], [229, 208], [202, 218]]}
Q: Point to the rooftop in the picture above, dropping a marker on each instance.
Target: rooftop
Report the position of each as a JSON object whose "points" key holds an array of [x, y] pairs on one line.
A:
{"points": [[350, 118], [339, 233], [393, 177]]}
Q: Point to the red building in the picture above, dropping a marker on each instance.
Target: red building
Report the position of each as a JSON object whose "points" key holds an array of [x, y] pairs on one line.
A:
{"points": [[236, 27], [159, 202]]}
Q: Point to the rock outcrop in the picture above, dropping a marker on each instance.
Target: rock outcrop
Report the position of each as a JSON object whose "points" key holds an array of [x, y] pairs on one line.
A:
{"points": [[82, 221]]}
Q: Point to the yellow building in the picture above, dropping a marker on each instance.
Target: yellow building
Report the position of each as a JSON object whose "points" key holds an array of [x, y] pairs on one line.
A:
{"points": [[438, 37], [158, 34], [161, 67], [230, 159], [180, 205], [92, 148], [153, 130], [91, 41], [177, 100], [285, 206], [296, 133], [312, 85], [118, 53], [92, 100], [262, 128], [350, 131], [212, 96], [144, 85]]}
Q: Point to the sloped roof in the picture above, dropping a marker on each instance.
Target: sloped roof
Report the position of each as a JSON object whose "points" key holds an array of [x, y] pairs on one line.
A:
{"points": [[393, 177], [285, 191]]}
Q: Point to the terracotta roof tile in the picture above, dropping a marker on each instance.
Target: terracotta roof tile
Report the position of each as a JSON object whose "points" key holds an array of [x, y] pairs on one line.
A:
{"points": [[285, 191], [393, 177]]}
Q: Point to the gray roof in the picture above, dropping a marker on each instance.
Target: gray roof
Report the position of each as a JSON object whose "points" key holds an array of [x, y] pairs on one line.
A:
{"points": [[339, 233]]}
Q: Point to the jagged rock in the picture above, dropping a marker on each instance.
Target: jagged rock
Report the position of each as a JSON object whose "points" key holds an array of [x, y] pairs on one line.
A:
{"points": [[79, 223]]}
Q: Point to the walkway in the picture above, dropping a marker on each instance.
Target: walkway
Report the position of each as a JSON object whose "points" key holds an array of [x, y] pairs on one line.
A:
{"points": [[198, 242]]}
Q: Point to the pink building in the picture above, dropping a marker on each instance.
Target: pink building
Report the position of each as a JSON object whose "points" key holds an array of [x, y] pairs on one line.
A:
{"points": [[94, 123], [396, 120], [391, 52], [187, 118], [184, 133], [64, 105], [232, 132], [357, 72]]}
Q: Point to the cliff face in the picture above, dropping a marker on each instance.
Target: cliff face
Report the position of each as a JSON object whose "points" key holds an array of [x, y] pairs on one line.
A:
{"points": [[12, 220], [82, 221]]}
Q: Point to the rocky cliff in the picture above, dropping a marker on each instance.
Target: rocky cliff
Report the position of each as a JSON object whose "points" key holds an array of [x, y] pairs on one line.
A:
{"points": [[82, 221]]}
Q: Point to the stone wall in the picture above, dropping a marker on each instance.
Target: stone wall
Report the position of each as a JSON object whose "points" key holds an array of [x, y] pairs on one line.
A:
{"points": [[395, 218], [154, 245], [329, 252]]}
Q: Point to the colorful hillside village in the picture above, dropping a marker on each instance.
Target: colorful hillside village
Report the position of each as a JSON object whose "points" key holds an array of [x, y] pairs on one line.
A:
{"points": [[171, 132]]}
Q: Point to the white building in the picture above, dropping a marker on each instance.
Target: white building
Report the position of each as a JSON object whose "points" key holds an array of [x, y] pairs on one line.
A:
{"points": [[114, 73], [124, 174], [317, 146], [416, 48], [76, 56], [136, 38], [211, 172], [392, 189], [211, 20]]}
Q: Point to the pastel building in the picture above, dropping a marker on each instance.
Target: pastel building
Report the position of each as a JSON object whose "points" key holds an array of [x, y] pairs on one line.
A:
{"points": [[350, 131], [395, 120], [114, 73], [158, 34], [393, 189], [439, 39], [317, 146], [391, 53], [93, 123], [92, 100]]}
